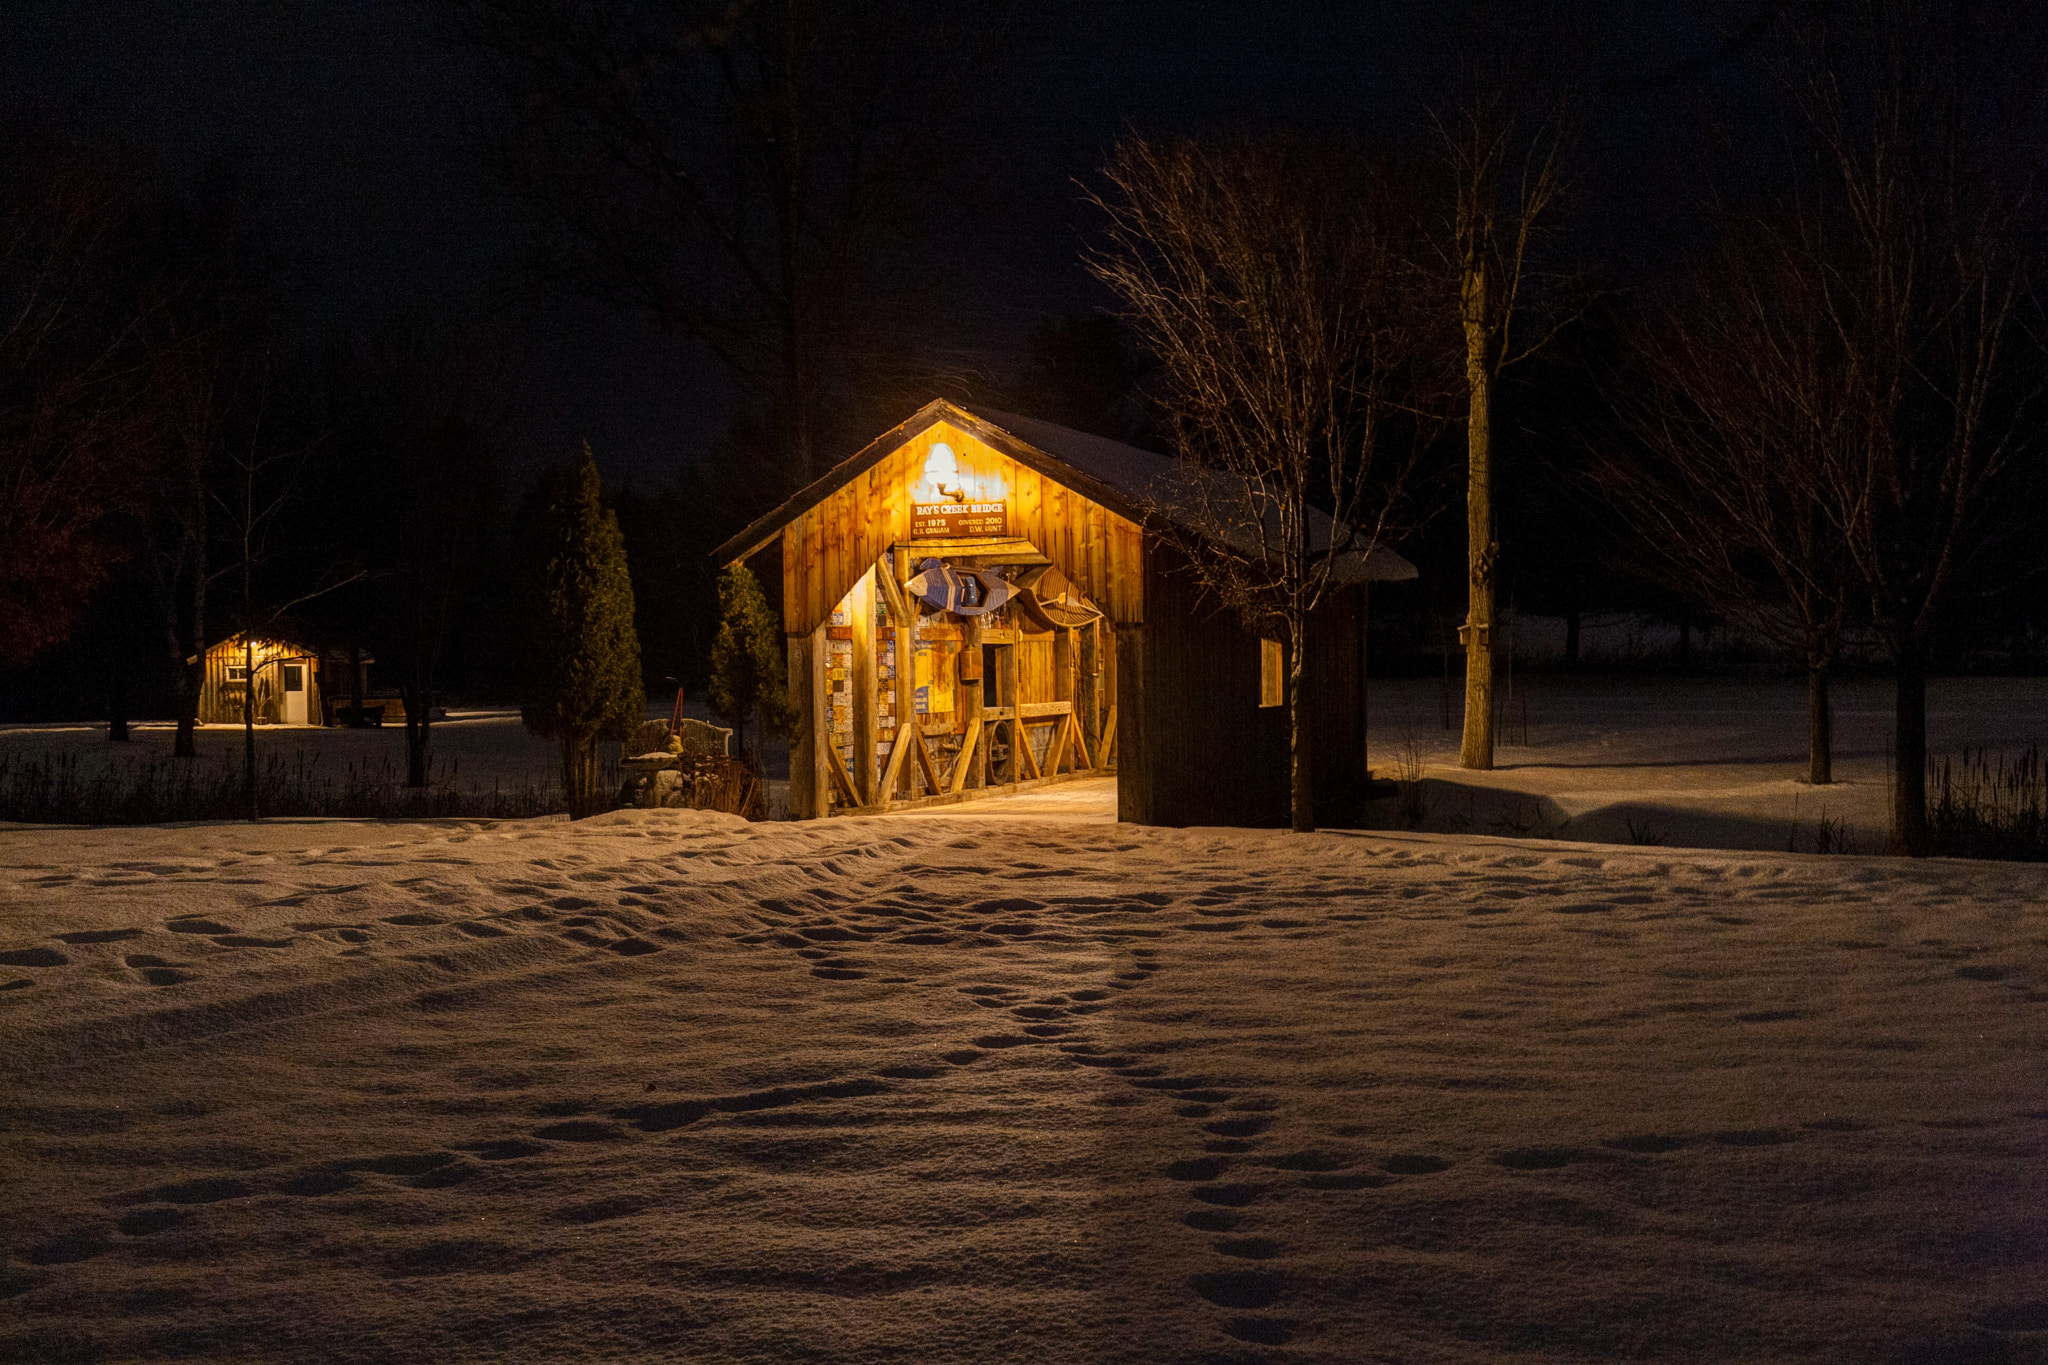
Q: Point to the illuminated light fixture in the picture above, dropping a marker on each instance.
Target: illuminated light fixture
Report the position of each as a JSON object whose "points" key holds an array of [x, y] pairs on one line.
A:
{"points": [[942, 471]]}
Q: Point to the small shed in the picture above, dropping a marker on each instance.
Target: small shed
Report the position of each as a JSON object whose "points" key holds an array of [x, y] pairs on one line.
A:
{"points": [[287, 681], [974, 604]]}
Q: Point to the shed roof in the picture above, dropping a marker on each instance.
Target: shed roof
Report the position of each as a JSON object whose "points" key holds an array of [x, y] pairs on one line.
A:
{"points": [[1131, 482]]}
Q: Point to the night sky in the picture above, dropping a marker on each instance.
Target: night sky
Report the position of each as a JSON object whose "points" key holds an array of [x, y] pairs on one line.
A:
{"points": [[357, 131]]}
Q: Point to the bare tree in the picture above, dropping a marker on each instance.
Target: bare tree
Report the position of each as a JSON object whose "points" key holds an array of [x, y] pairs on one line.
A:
{"points": [[1503, 134], [411, 490], [262, 475], [1263, 277], [192, 392], [1745, 484], [1924, 127]]}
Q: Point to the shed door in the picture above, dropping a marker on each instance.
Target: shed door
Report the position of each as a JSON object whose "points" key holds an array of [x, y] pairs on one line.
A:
{"points": [[294, 693]]}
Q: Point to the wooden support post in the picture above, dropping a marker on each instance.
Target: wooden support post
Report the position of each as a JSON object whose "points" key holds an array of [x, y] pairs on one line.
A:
{"points": [[842, 784], [1057, 749], [810, 749], [1021, 757], [860, 616], [1087, 685], [902, 620], [970, 746], [1087, 760], [972, 756], [892, 774], [932, 785], [1006, 695], [1065, 662], [1365, 683]]}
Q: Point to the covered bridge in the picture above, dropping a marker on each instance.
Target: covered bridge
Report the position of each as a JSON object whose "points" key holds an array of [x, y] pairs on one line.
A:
{"points": [[974, 604]]}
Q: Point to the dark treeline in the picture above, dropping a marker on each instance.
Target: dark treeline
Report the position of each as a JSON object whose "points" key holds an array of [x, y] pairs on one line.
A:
{"points": [[1745, 338]]}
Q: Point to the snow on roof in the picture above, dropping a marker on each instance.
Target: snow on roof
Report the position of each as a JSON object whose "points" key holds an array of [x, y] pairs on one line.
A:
{"points": [[1161, 484], [1131, 482]]}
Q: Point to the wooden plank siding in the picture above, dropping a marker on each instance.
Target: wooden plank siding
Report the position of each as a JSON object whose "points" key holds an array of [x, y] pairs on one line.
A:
{"points": [[1195, 745], [826, 547], [220, 698], [1163, 689]]}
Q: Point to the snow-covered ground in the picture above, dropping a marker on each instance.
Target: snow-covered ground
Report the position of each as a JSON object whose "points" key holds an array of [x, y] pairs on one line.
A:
{"points": [[1695, 763], [664, 1086], [472, 749], [1701, 763]]}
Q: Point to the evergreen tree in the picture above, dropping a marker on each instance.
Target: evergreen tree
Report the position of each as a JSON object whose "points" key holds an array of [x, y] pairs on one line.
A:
{"points": [[583, 655], [748, 668]]}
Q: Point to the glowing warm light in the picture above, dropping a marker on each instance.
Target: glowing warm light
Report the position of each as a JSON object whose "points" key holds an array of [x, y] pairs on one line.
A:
{"points": [[942, 470]]}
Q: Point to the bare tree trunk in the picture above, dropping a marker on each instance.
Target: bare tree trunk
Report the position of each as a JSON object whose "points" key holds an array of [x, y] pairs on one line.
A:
{"points": [[572, 773], [1365, 682], [1300, 741], [248, 725], [191, 676], [1820, 726], [1909, 746], [418, 717], [1476, 752]]}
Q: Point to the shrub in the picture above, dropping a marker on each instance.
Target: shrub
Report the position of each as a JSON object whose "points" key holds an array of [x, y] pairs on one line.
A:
{"points": [[1989, 806]]}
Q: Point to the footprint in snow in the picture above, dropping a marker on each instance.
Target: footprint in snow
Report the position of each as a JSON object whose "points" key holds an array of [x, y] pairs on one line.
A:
{"points": [[1645, 1144], [204, 1190], [154, 970], [1414, 1163], [70, 1247], [149, 1222], [1240, 1288], [1537, 1158]]}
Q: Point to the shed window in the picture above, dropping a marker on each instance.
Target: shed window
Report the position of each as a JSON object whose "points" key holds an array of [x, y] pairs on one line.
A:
{"points": [[238, 673], [1272, 676]]}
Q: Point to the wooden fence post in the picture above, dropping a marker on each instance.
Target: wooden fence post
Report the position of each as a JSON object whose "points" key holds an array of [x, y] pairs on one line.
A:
{"points": [[860, 615]]}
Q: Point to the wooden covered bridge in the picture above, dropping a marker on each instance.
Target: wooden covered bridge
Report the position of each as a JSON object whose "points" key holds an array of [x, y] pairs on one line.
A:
{"points": [[974, 605]]}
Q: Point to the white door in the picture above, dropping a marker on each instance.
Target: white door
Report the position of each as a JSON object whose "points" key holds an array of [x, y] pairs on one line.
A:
{"points": [[294, 693]]}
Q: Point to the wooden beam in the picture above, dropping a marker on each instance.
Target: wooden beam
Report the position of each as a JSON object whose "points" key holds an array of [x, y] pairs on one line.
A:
{"points": [[1081, 745], [1058, 749], [1109, 736], [810, 751], [979, 550], [1063, 653], [1088, 683], [897, 750], [932, 785], [969, 707], [969, 746], [1042, 710], [902, 621], [891, 588], [841, 783], [1006, 696], [1021, 741], [860, 617]]}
